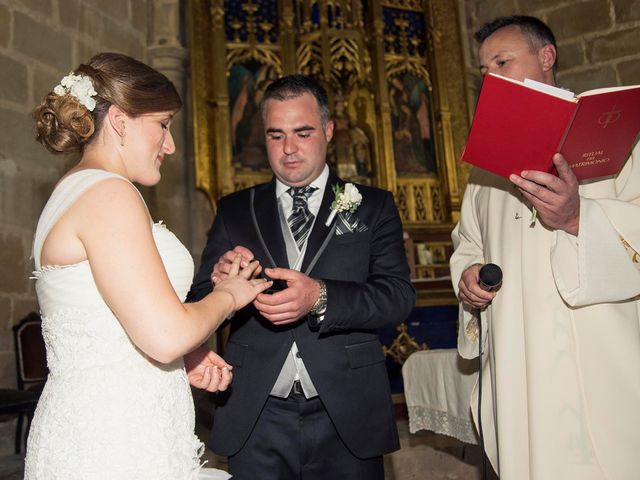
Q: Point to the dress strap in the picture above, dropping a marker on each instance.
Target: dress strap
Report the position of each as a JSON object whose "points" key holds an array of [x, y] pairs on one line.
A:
{"points": [[66, 192]]}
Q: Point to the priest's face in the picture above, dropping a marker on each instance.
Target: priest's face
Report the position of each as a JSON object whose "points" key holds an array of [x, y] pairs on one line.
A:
{"points": [[296, 139], [507, 52]]}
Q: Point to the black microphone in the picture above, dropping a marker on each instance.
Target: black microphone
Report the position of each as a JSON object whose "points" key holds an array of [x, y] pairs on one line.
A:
{"points": [[490, 277], [490, 280]]}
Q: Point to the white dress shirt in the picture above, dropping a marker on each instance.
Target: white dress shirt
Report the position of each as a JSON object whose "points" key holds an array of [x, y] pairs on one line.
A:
{"points": [[285, 205]]}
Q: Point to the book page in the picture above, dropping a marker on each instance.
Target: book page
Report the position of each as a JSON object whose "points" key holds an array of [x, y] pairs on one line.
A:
{"points": [[550, 89], [598, 91]]}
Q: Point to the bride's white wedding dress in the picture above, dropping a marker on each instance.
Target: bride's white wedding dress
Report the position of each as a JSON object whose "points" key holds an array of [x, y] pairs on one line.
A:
{"points": [[107, 410]]}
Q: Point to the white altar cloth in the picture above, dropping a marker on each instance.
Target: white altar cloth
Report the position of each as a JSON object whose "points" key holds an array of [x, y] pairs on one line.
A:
{"points": [[437, 389]]}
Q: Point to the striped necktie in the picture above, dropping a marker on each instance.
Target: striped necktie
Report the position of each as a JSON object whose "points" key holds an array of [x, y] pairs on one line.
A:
{"points": [[301, 218]]}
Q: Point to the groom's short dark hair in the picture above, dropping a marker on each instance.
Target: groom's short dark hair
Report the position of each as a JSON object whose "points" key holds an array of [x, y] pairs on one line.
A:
{"points": [[292, 86]]}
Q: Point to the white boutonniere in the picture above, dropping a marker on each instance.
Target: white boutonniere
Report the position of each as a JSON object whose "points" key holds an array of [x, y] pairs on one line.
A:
{"points": [[80, 87], [347, 199]]}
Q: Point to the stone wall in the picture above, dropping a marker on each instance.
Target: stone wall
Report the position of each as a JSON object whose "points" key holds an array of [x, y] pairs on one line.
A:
{"points": [[40, 42], [597, 39]]}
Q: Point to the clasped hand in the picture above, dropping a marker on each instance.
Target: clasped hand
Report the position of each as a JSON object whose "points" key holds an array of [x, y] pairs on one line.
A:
{"points": [[469, 290], [292, 303], [555, 198], [240, 282], [280, 308], [207, 370]]}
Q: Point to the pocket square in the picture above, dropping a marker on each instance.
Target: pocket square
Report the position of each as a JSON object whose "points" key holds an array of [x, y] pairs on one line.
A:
{"points": [[348, 222]]}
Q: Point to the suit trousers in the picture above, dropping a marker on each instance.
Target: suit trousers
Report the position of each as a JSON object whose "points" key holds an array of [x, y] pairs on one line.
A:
{"points": [[294, 439]]}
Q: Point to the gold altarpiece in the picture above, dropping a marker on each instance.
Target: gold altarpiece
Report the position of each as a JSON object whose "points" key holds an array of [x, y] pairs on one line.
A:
{"points": [[395, 78]]}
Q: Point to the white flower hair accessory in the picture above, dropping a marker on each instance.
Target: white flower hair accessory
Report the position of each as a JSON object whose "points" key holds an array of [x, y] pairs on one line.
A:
{"points": [[347, 199], [80, 87]]}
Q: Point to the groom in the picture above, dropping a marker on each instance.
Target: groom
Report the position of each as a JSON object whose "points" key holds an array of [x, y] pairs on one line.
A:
{"points": [[310, 395]]}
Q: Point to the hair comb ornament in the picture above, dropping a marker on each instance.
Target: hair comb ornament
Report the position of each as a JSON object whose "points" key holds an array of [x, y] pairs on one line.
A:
{"points": [[79, 87]]}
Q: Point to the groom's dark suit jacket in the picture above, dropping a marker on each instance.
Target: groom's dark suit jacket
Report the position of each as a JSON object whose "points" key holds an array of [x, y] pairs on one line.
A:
{"points": [[368, 287]]}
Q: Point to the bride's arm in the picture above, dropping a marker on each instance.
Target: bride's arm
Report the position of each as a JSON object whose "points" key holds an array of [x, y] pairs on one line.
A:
{"points": [[113, 225]]}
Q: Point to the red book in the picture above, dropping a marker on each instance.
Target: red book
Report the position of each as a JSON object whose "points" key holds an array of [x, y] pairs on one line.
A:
{"points": [[520, 126]]}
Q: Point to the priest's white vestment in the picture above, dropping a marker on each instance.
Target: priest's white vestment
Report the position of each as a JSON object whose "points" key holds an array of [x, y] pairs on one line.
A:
{"points": [[561, 362]]}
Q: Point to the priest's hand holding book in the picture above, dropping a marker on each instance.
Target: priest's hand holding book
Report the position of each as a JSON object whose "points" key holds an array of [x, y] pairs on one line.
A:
{"points": [[554, 198]]}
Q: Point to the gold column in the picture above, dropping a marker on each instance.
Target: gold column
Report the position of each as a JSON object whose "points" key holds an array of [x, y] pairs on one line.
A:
{"points": [[385, 174], [287, 38]]}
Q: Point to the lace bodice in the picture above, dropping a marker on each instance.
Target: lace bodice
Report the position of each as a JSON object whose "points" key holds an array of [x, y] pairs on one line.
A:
{"points": [[70, 292], [107, 410]]}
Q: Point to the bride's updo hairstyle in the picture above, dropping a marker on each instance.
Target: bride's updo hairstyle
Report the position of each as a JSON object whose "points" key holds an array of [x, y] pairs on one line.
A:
{"points": [[65, 121]]}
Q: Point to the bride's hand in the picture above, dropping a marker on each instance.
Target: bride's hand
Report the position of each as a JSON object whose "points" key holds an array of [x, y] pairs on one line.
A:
{"points": [[207, 370], [223, 265], [240, 284]]}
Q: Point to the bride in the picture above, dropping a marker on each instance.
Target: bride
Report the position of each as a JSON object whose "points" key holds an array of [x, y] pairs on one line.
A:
{"points": [[110, 284]]}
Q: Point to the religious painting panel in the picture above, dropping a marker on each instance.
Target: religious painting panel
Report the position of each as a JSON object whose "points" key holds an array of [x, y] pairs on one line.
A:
{"points": [[350, 152], [413, 147], [247, 82], [409, 84]]}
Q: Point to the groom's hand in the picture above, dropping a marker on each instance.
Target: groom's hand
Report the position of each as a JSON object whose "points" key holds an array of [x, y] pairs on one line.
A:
{"points": [[292, 303], [222, 267], [207, 370]]}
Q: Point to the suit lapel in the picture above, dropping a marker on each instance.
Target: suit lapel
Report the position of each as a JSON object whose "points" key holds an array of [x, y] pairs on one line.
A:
{"points": [[267, 222], [318, 238]]}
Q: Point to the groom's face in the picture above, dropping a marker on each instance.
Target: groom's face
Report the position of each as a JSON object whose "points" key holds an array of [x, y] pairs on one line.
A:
{"points": [[296, 139]]}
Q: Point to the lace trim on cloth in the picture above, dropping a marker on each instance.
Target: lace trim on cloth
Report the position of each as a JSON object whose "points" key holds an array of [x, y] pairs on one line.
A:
{"points": [[425, 418]]}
